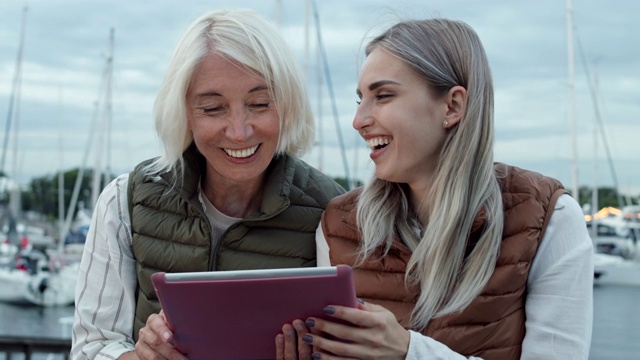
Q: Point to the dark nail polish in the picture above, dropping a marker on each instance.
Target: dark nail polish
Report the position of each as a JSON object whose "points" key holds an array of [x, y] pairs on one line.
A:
{"points": [[329, 310], [360, 301], [310, 323], [316, 356], [307, 338]]}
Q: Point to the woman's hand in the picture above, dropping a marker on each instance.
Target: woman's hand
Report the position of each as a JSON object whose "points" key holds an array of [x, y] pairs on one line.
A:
{"points": [[155, 340], [372, 333], [289, 344]]}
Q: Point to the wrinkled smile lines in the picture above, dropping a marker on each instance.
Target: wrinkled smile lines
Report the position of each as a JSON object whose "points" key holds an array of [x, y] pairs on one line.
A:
{"points": [[243, 153]]}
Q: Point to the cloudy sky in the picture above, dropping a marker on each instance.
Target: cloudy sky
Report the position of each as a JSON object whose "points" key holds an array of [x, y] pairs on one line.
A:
{"points": [[66, 44]]}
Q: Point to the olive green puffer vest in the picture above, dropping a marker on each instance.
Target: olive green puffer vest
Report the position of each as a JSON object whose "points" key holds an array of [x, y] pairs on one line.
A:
{"points": [[171, 232], [493, 325]]}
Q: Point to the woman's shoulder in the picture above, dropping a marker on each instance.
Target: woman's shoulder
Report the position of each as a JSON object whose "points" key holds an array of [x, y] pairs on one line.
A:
{"points": [[311, 180], [116, 189], [513, 179], [117, 183], [347, 201]]}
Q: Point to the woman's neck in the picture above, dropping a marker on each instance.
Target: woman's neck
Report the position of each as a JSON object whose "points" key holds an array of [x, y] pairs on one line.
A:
{"points": [[418, 196], [234, 199]]}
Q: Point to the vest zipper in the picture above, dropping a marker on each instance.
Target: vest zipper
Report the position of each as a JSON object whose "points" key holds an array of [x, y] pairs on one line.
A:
{"points": [[213, 256]]}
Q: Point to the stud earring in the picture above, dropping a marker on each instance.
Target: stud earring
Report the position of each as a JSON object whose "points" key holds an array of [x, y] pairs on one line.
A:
{"points": [[445, 123]]}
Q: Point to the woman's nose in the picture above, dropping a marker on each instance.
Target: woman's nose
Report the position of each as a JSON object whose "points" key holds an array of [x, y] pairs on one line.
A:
{"points": [[363, 118], [239, 128]]}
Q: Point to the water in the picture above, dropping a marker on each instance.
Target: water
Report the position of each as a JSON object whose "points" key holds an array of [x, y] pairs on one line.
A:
{"points": [[36, 322], [616, 320]]}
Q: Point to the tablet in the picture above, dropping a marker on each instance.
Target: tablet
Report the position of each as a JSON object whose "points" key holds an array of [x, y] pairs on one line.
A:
{"points": [[237, 314]]}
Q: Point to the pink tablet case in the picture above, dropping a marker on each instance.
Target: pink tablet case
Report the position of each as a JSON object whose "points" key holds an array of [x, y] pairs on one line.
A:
{"points": [[240, 318]]}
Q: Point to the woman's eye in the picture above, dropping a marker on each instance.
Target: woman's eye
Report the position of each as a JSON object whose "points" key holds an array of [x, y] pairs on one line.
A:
{"points": [[358, 102], [210, 110], [260, 105], [383, 96]]}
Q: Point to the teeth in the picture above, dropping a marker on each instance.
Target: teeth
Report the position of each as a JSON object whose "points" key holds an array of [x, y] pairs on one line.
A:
{"points": [[372, 143], [241, 153]]}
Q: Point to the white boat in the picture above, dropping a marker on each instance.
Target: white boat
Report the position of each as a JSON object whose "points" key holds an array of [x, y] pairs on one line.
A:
{"points": [[602, 262], [79, 229], [613, 270], [622, 247], [8, 254], [39, 280], [625, 222]]}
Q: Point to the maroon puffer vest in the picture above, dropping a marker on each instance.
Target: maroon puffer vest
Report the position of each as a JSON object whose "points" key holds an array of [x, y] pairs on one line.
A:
{"points": [[493, 325]]}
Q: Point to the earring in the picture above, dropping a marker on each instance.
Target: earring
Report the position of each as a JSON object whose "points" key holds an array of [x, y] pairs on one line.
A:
{"points": [[445, 123]]}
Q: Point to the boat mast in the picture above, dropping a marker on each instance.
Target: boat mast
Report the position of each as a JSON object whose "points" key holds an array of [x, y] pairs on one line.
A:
{"points": [[13, 116], [15, 89], [104, 87], [307, 70], [594, 191], [103, 129], [572, 102], [106, 174], [334, 108], [61, 177], [594, 92], [319, 112]]}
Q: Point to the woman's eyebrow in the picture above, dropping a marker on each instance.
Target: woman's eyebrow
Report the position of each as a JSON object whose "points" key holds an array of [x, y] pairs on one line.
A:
{"points": [[377, 84], [215, 93], [208, 94], [259, 88]]}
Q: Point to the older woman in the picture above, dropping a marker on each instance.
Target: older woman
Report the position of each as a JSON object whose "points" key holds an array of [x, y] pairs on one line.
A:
{"points": [[228, 192]]}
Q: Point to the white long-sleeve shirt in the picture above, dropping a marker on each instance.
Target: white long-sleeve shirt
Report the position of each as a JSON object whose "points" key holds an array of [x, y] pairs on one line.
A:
{"points": [[559, 303]]}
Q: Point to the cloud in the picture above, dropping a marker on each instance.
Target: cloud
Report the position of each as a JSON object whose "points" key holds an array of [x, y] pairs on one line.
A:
{"points": [[67, 42]]}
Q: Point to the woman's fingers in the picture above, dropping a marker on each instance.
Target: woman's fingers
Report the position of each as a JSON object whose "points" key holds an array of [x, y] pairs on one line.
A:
{"points": [[304, 349], [160, 352], [154, 340], [371, 331], [351, 318], [332, 349], [290, 344], [158, 324], [149, 336], [279, 347]]}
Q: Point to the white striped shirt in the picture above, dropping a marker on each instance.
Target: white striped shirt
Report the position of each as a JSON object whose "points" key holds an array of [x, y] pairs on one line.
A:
{"points": [[107, 281]]}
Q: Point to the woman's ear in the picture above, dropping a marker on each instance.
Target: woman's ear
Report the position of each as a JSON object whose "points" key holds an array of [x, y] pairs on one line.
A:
{"points": [[456, 100]]}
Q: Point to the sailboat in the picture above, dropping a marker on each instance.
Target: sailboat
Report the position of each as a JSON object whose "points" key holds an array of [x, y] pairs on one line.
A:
{"points": [[34, 281], [49, 278], [607, 268]]}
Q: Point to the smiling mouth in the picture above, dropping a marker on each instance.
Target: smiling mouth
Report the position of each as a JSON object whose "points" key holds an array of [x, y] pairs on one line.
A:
{"points": [[378, 143], [241, 153]]}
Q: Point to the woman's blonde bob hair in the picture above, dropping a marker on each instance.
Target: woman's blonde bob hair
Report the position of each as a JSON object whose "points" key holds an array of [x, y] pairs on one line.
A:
{"points": [[249, 40]]}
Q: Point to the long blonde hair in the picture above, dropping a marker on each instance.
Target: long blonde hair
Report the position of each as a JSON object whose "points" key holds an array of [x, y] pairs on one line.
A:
{"points": [[446, 53]]}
